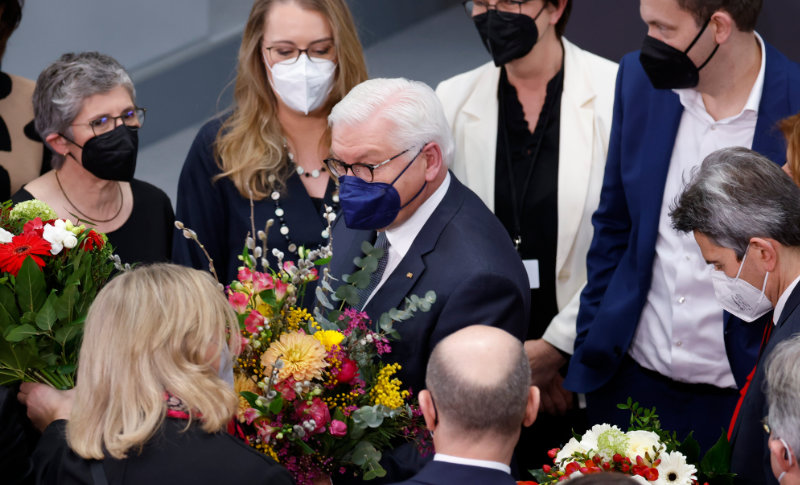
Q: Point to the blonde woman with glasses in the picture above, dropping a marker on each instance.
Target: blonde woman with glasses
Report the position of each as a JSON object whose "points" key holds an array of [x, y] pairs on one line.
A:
{"points": [[150, 405], [297, 59]]}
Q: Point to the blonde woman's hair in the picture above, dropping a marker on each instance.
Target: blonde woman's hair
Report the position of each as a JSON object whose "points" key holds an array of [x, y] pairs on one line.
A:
{"points": [[155, 329], [249, 145]]}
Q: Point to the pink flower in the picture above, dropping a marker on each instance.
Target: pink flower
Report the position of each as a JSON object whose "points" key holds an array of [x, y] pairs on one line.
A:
{"points": [[264, 430], [348, 371], [287, 265], [245, 275], [338, 428], [251, 414], [318, 411], [253, 321], [238, 301], [280, 290], [286, 388], [262, 281]]}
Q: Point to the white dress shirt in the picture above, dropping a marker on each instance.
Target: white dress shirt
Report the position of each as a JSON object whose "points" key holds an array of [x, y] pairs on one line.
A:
{"points": [[680, 331], [495, 465], [776, 315], [401, 237]]}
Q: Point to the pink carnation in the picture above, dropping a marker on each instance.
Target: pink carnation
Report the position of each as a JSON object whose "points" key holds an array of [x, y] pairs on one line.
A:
{"points": [[338, 428], [318, 411]]}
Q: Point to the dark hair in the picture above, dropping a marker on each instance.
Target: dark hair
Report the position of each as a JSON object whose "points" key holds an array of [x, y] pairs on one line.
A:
{"points": [[561, 26], [9, 21], [744, 12]]}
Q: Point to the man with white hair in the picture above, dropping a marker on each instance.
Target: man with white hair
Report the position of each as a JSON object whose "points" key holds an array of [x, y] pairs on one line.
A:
{"points": [[476, 407], [783, 394], [391, 146]]}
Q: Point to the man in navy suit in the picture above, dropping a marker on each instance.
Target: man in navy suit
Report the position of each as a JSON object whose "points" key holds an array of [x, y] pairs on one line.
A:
{"points": [[744, 213], [476, 407], [783, 394], [648, 326], [390, 148]]}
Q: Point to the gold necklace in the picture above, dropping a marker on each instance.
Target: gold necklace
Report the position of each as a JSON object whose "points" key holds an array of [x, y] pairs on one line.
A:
{"points": [[90, 219]]}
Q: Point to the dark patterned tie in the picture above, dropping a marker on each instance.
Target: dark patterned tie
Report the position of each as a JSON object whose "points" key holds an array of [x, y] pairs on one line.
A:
{"points": [[383, 243]]}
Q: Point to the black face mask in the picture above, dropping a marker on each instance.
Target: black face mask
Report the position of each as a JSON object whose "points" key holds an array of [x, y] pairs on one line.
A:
{"points": [[669, 68], [112, 155], [507, 36]]}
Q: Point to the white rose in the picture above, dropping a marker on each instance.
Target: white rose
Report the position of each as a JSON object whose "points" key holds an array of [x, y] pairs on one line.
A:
{"points": [[589, 438], [59, 236], [70, 241], [641, 442], [5, 236], [572, 447]]}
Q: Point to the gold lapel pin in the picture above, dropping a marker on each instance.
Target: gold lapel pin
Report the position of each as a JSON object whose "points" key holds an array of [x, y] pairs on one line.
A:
{"points": [[409, 275]]}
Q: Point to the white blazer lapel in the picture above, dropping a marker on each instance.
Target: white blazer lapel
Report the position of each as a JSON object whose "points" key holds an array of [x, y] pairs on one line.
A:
{"points": [[476, 135], [577, 140]]}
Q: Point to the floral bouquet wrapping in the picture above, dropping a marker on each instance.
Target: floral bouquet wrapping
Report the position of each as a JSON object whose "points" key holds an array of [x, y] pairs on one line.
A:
{"points": [[50, 272], [314, 391], [647, 453]]}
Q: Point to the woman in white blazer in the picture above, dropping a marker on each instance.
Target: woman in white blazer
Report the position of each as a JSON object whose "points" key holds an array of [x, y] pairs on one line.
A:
{"points": [[471, 104]]}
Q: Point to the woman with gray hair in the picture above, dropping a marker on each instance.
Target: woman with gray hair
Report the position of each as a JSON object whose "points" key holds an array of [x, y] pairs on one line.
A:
{"points": [[85, 110], [744, 213], [783, 422]]}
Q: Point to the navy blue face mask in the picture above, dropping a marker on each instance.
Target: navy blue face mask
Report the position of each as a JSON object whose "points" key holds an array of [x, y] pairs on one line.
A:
{"points": [[372, 205]]}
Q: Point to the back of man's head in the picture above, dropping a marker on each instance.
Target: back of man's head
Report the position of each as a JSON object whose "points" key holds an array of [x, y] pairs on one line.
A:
{"points": [[479, 379]]}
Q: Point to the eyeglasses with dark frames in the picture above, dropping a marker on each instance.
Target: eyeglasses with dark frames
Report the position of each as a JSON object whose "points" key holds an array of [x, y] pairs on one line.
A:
{"points": [[133, 117], [477, 7], [364, 171], [317, 51]]}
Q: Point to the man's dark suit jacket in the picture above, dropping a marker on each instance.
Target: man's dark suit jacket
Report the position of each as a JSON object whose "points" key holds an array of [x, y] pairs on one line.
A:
{"points": [[462, 253], [620, 258], [443, 473], [750, 458]]}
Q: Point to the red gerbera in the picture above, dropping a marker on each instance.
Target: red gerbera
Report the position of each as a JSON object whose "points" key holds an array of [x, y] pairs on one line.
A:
{"points": [[93, 240], [13, 254]]}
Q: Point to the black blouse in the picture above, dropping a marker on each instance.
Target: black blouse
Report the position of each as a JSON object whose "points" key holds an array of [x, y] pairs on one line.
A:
{"points": [[526, 188]]}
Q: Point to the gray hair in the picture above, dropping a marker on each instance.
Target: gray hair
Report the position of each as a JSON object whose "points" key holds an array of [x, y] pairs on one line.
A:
{"points": [[783, 392], [735, 195], [64, 85], [412, 106], [497, 408]]}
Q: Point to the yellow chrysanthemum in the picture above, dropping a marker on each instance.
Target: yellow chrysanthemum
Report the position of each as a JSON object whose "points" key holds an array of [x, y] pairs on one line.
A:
{"points": [[303, 356], [329, 338], [243, 383]]}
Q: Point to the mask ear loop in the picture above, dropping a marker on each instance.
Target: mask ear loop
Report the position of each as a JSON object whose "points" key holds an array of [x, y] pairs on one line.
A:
{"points": [[697, 37]]}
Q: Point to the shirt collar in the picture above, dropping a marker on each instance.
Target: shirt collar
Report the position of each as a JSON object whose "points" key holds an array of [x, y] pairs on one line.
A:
{"points": [[692, 100], [401, 237], [783, 299], [495, 465]]}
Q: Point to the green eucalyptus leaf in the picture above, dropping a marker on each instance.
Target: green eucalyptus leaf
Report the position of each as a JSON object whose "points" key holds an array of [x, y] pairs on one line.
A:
{"points": [[385, 323], [322, 298], [365, 452], [348, 294], [30, 286], [360, 279], [430, 295]]}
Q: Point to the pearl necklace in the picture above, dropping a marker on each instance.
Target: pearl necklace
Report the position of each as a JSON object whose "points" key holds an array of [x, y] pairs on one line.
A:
{"points": [[284, 229], [300, 170]]}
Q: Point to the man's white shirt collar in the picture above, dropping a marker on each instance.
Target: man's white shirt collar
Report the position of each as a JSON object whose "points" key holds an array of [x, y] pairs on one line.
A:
{"points": [[495, 465], [692, 100], [776, 316]]}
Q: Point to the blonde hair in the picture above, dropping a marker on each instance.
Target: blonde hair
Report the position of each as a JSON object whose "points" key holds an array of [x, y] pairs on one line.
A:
{"points": [[249, 145], [157, 328], [791, 131]]}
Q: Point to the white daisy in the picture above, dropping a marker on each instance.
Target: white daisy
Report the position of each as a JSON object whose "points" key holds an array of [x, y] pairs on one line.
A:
{"points": [[673, 470]]}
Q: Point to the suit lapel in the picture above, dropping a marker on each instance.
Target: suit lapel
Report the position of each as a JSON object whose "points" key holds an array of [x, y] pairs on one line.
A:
{"points": [[575, 151], [479, 115], [791, 305], [774, 105], [347, 247]]}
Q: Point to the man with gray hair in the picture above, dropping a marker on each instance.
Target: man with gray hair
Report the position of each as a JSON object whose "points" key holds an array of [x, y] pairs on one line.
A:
{"points": [[744, 213], [390, 148], [783, 394], [476, 407]]}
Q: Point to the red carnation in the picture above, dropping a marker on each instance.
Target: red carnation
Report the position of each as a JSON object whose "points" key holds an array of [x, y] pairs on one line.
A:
{"points": [[13, 254], [92, 240], [348, 371], [34, 226]]}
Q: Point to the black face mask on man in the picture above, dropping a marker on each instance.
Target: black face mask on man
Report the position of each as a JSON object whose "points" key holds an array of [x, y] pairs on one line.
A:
{"points": [[507, 36], [112, 155], [670, 68]]}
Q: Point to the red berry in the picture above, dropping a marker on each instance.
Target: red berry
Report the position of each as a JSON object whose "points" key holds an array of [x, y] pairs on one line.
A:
{"points": [[552, 453], [546, 468], [625, 467], [606, 466]]}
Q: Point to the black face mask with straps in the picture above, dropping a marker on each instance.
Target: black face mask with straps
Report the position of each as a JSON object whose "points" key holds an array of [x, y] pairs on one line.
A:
{"points": [[112, 155]]}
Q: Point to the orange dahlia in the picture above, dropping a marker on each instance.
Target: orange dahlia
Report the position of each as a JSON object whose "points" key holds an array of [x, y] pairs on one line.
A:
{"points": [[302, 355]]}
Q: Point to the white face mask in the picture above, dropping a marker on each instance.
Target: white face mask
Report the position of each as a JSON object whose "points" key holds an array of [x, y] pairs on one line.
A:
{"points": [[739, 297], [303, 85]]}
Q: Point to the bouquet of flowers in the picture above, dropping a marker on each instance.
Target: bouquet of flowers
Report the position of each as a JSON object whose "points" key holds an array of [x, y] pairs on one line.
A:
{"points": [[646, 452], [50, 271], [314, 391]]}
